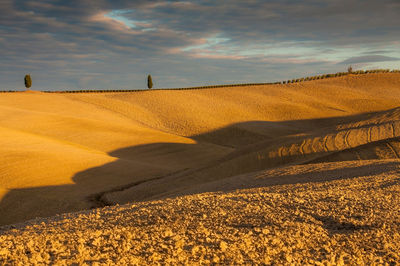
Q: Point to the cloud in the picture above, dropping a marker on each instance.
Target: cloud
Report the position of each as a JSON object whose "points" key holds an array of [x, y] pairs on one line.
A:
{"points": [[66, 43], [369, 59]]}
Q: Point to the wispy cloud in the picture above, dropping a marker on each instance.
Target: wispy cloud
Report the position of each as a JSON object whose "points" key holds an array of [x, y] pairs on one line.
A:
{"points": [[369, 59]]}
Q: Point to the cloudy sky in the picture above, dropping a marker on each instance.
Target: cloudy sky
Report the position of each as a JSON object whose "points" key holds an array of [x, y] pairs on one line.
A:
{"points": [[114, 44]]}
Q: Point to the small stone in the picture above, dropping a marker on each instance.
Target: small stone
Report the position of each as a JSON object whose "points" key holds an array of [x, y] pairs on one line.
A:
{"points": [[265, 231], [168, 233], [223, 245]]}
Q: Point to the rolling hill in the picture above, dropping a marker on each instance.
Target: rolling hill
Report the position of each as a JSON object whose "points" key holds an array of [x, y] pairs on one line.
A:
{"points": [[245, 164]]}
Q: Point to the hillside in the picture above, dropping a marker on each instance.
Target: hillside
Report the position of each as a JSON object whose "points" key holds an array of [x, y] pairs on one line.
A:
{"points": [[324, 151]]}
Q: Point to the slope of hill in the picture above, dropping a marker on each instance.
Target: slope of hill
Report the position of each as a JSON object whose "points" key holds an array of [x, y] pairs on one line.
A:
{"points": [[69, 152]]}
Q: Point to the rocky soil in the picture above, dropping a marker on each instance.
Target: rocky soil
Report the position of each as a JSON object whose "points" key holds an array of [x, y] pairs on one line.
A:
{"points": [[344, 221]]}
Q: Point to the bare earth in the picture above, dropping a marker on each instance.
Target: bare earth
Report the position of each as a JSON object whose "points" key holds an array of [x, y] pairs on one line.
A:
{"points": [[296, 173]]}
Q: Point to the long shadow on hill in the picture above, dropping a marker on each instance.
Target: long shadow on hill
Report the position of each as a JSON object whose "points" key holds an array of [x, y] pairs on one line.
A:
{"points": [[168, 169]]}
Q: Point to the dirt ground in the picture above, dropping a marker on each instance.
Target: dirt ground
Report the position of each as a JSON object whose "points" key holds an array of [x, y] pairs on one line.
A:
{"points": [[350, 220]]}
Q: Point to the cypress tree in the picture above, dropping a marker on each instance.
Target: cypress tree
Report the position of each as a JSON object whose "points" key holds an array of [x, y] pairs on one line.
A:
{"points": [[28, 81], [149, 82], [350, 69]]}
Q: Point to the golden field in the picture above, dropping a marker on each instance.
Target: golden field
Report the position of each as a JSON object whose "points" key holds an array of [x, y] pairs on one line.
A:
{"points": [[290, 173]]}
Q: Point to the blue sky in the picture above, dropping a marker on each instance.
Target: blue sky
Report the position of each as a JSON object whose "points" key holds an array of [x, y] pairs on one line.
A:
{"points": [[109, 44]]}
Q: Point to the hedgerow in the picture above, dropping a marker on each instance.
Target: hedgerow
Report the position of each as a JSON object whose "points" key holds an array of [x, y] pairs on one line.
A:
{"points": [[297, 80]]}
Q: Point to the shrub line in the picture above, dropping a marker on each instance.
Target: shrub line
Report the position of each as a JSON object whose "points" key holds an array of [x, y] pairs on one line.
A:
{"points": [[298, 80]]}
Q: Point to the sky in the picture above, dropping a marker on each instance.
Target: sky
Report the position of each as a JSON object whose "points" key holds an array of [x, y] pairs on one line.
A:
{"points": [[115, 44]]}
